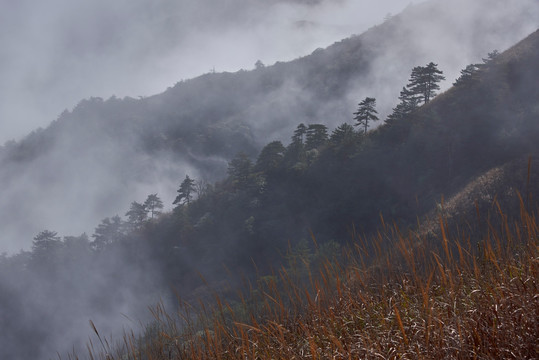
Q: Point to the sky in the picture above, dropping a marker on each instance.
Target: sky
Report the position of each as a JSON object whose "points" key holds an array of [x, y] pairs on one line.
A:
{"points": [[55, 53]]}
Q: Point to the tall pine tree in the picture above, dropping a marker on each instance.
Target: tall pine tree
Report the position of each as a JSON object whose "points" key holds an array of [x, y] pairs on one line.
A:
{"points": [[366, 112]]}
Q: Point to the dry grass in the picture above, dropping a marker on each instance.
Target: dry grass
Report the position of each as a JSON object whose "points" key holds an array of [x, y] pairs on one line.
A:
{"points": [[395, 296]]}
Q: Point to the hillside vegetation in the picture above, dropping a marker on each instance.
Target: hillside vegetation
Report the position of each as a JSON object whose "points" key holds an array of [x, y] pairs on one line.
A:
{"points": [[460, 284], [102, 154], [474, 145], [395, 295]]}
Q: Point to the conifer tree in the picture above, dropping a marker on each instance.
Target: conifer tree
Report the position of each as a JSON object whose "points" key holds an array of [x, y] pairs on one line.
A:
{"points": [[270, 157], [366, 112], [153, 204], [490, 57], [45, 249], [316, 136], [185, 192], [110, 230], [45, 242], [466, 75], [137, 214], [342, 134], [424, 81], [409, 102], [299, 134], [240, 169]]}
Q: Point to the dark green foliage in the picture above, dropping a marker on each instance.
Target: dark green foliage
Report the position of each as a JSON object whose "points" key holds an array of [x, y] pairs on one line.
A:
{"points": [[316, 136], [111, 230], [153, 205], [365, 113], [185, 192], [240, 170], [408, 103], [271, 157], [424, 81], [299, 134], [467, 75], [136, 214], [344, 140], [491, 56], [342, 135]]}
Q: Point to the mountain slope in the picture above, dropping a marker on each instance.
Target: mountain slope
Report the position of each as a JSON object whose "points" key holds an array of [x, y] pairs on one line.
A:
{"points": [[99, 157], [399, 170]]}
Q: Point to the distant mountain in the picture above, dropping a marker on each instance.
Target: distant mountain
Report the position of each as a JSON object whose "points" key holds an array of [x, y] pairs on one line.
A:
{"points": [[94, 160]]}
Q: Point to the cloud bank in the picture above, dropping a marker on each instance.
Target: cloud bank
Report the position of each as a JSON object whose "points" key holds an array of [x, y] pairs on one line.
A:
{"points": [[58, 52]]}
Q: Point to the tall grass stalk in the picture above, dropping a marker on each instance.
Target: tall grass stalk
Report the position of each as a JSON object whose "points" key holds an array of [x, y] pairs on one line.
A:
{"points": [[396, 295]]}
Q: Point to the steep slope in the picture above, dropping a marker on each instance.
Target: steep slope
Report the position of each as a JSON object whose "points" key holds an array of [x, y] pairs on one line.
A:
{"points": [[99, 157], [399, 170]]}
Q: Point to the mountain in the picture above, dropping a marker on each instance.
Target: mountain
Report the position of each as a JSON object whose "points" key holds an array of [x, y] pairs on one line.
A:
{"points": [[97, 158], [470, 144]]}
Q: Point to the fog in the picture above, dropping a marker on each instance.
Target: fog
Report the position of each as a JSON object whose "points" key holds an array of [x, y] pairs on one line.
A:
{"points": [[58, 52], [54, 55]]}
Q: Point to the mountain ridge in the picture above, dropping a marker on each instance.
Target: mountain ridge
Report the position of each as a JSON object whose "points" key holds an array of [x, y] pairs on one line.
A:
{"points": [[198, 125], [331, 192]]}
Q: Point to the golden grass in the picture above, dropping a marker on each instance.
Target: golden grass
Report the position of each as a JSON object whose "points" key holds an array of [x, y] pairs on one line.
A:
{"points": [[394, 296]]}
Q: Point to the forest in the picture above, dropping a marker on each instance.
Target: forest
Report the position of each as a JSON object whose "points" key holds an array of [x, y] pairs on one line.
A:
{"points": [[466, 151]]}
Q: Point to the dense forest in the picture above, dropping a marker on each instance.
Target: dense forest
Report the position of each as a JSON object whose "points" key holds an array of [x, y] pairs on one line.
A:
{"points": [[327, 184]]}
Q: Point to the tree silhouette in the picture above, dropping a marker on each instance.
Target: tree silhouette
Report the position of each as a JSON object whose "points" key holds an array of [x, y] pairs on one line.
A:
{"points": [[316, 136], [299, 134], [153, 205], [45, 248], [108, 232], [409, 102], [466, 75], [424, 81], [137, 214], [185, 192], [366, 112], [240, 169], [270, 157]]}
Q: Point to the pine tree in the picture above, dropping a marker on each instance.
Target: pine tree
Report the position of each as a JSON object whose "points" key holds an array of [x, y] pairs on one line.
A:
{"points": [[316, 136], [45, 242], [466, 75], [424, 81], [343, 134], [185, 192], [137, 214], [432, 77], [490, 57], [271, 157], [153, 204], [344, 139], [110, 230], [240, 169], [409, 102], [366, 112], [299, 134]]}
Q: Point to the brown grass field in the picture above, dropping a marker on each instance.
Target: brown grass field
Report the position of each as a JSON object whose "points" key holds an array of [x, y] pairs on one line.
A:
{"points": [[395, 296]]}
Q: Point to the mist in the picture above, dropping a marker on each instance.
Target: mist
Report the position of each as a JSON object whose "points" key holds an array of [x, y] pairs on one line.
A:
{"points": [[91, 161], [55, 54]]}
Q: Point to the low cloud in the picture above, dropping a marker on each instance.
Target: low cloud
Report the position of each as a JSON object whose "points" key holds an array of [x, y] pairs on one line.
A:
{"points": [[54, 54]]}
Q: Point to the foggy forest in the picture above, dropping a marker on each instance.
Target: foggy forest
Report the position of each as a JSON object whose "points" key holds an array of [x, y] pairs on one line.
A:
{"points": [[287, 179]]}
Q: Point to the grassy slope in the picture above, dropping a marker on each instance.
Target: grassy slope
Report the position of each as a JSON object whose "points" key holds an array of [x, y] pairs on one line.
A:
{"points": [[414, 299]]}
